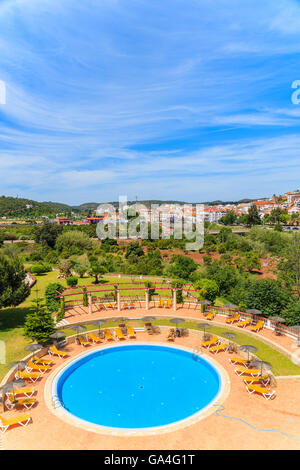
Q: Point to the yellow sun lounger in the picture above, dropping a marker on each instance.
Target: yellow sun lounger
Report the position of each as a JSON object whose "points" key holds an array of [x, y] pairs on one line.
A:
{"points": [[249, 380], [238, 360], [218, 348], [168, 303], [108, 335], [119, 334], [211, 315], [33, 376], [267, 393], [213, 341], [244, 323], [259, 325], [43, 362], [131, 333], [27, 391], [244, 370], [36, 367], [81, 341], [11, 402], [23, 420], [55, 352], [171, 334], [161, 303], [233, 319], [94, 338]]}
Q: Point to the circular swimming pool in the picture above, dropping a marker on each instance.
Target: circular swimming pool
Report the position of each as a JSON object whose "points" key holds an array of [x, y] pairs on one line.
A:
{"points": [[137, 386]]}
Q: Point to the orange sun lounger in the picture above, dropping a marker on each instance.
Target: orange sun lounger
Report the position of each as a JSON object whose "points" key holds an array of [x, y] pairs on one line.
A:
{"points": [[108, 335], [56, 352]]}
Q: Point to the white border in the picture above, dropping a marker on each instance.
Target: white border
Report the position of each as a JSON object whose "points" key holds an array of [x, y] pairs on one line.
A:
{"points": [[62, 413]]}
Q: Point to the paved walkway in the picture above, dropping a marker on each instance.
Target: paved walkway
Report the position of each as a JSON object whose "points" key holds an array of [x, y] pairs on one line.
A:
{"points": [[251, 422]]}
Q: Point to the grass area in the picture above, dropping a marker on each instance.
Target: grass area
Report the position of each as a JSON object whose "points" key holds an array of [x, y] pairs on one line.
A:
{"points": [[12, 321]]}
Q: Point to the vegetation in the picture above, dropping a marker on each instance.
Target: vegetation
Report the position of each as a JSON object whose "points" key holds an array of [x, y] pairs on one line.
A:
{"points": [[39, 324]]}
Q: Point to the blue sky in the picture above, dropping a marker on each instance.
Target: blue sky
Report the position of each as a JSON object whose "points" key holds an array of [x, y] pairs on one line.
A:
{"points": [[174, 99]]}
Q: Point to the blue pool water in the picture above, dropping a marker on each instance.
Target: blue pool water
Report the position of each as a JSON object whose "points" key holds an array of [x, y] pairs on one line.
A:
{"points": [[137, 386]]}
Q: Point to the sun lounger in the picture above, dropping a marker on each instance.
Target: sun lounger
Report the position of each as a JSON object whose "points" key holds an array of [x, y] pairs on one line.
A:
{"points": [[218, 348], [102, 307], [36, 367], [43, 362], [82, 342], [233, 319], [249, 380], [131, 306], [131, 333], [23, 420], [171, 334], [108, 335], [213, 341], [259, 325], [161, 303], [56, 352], [168, 303], [267, 393], [245, 370], [238, 360], [210, 316], [11, 402], [27, 391], [33, 376], [244, 323], [94, 338], [119, 334]]}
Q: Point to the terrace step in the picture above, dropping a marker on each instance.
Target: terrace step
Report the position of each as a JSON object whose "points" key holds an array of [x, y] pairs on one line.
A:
{"points": [[62, 322]]}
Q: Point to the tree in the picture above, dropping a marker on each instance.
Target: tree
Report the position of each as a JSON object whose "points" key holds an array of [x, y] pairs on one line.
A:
{"points": [[47, 234], [80, 269], [182, 267], [64, 267], [52, 299], [134, 249], [39, 324], [253, 217], [208, 289], [13, 288], [229, 218], [76, 242], [291, 313], [225, 276], [96, 270]]}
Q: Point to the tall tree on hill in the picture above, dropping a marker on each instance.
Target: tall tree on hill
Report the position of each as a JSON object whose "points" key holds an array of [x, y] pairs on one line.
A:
{"points": [[47, 234]]}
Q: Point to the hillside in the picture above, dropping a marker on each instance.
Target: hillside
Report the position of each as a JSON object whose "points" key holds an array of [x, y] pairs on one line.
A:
{"points": [[19, 207]]}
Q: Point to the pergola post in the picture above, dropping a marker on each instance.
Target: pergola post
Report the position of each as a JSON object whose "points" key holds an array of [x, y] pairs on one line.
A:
{"points": [[118, 300], [147, 298], [90, 302], [174, 300]]}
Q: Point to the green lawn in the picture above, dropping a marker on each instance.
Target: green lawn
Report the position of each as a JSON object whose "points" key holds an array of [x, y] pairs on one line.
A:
{"points": [[12, 321]]}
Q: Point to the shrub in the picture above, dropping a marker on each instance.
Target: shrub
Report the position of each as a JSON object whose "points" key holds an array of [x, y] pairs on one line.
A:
{"points": [[72, 281], [39, 324], [38, 269]]}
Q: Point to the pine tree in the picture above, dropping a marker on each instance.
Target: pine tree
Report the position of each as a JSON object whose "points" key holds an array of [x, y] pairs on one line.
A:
{"points": [[39, 324]]}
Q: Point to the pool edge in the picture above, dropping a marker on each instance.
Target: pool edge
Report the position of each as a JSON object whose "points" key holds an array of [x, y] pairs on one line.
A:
{"points": [[71, 419]]}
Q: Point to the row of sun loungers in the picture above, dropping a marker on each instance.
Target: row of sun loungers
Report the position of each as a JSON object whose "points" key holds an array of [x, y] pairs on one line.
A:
{"points": [[240, 323], [254, 381]]}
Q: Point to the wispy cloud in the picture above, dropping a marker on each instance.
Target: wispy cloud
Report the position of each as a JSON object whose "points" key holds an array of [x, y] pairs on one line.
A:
{"points": [[112, 97]]}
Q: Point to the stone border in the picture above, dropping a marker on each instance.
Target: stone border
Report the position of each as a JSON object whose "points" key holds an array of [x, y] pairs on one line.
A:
{"points": [[67, 417]]}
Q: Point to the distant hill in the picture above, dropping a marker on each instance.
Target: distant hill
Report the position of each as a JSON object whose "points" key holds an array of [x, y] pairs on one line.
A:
{"points": [[93, 205], [19, 207]]}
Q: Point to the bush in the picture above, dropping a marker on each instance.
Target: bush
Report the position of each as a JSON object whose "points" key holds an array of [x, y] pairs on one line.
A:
{"points": [[72, 281], [38, 269], [39, 324]]}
